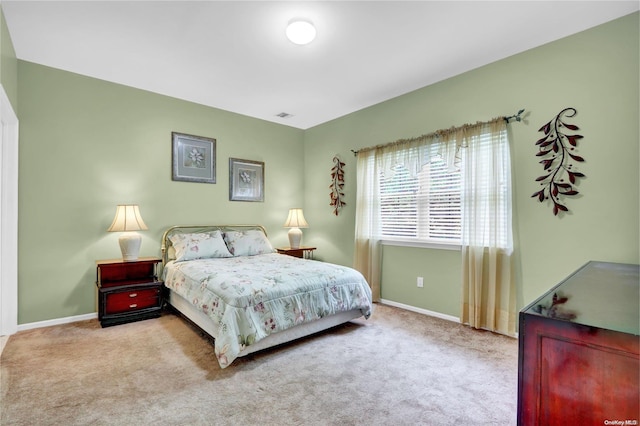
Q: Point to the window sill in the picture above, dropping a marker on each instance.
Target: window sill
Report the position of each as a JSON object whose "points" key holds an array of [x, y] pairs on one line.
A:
{"points": [[437, 246]]}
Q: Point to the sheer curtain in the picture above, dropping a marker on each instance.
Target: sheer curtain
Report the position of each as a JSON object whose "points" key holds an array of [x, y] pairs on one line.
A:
{"points": [[488, 289], [482, 150], [368, 250], [371, 164]]}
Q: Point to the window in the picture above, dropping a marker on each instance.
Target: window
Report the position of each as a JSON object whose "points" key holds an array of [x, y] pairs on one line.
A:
{"points": [[421, 209], [422, 203]]}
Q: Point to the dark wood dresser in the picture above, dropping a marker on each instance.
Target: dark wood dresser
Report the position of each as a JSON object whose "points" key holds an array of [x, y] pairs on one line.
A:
{"points": [[579, 361]]}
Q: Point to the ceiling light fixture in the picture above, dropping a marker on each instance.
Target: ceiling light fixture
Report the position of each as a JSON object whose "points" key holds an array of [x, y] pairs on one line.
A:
{"points": [[301, 32]]}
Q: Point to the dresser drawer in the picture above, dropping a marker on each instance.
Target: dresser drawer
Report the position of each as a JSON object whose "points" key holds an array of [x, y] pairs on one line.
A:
{"points": [[131, 300]]}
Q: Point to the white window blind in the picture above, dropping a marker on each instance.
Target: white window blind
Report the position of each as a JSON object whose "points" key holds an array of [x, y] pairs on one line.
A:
{"points": [[437, 204], [425, 208]]}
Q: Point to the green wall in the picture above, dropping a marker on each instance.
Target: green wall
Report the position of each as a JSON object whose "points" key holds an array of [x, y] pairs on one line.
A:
{"points": [[8, 64], [596, 72], [87, 145]]}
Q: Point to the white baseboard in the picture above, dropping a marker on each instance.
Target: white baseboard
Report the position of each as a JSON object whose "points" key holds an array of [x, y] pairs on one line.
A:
{"points": [[420, 310], [57, 321], [67, 320], [432, 314], [3, 343]]}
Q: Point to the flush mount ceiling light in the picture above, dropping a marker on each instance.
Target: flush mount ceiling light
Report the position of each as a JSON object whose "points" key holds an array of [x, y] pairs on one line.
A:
{"points": [[301, 32]]}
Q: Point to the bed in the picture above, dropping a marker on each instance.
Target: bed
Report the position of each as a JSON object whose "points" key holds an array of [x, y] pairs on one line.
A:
{"points": [[230, 282]]}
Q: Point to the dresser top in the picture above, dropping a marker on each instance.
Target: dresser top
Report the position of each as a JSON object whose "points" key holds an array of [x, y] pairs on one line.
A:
{"points": [[600, 294]]}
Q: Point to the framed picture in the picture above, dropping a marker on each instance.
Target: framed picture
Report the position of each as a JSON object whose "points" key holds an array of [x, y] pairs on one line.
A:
{"points": [[246, 180], [193, 158]]}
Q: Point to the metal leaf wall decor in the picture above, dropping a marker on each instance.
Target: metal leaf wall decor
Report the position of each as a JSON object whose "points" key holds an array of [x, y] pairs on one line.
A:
{"points": [[555, 150], [337, 185]]}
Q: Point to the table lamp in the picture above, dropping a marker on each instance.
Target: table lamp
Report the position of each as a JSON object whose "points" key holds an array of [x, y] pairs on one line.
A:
{"points": [[128, 220], [295, 221]]}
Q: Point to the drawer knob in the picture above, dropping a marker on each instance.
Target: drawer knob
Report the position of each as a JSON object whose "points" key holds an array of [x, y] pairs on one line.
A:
{"points": [[133, 294], [133, 305]]}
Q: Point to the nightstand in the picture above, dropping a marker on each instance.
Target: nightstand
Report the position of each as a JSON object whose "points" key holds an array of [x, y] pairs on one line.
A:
{"points": [[128, 291], [302, 251]]}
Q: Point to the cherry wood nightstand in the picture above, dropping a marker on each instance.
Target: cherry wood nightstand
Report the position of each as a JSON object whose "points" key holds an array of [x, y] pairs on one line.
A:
{"points": [[302, 251], [128, 291]]}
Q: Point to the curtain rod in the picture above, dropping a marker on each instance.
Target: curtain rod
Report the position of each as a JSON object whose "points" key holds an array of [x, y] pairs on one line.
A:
{"points": [[517, 117]]}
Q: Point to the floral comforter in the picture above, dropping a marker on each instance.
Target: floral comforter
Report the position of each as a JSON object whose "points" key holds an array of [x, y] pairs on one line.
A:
{"points": [[250, 297]]}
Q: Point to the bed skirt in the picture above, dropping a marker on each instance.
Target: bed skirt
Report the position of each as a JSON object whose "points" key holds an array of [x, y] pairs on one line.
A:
{"points": [[205, 323]]}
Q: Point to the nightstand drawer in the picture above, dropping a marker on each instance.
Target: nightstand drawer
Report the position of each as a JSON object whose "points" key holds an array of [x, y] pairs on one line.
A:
{"points": [[131, 300]]}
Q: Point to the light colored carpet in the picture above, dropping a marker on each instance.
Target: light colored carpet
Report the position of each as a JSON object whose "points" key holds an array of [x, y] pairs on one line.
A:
{"points": [[397, 368]]}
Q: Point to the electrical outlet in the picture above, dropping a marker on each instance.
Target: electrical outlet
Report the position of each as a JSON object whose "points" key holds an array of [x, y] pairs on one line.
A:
{"points": [[420, 282]]}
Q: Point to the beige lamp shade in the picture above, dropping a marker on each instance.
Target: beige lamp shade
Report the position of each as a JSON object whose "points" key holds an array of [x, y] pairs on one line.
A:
{"points": [[295, 221], [128, 220]]}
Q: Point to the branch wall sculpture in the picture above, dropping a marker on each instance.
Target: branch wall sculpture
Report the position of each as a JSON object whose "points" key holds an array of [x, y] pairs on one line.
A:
{"points": [[555, 150], [337, 185]]}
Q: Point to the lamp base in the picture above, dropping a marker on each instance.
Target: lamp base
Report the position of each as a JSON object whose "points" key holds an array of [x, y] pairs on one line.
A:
{"points": [[295, 237], [130, 245]]}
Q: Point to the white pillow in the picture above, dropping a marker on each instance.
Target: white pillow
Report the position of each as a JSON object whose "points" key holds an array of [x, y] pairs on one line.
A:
{"points": [[247, 243], [199, 246]]}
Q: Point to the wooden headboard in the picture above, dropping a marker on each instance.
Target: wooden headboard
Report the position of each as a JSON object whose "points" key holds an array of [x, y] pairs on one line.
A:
{"points": [[166, 245]]}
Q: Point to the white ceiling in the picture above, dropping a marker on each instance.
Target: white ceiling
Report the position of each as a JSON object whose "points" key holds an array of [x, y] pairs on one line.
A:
{"points": [[234, 55]]}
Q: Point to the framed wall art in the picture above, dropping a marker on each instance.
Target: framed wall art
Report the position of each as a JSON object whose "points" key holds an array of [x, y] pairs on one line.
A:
{"points": [[246, 180], [193, 158]]}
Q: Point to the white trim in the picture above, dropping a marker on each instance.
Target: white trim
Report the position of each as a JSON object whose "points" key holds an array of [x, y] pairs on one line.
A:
{"points": [[3, 343], [57, 321], [420, 310], [8, 217], [420, 244], [434, 314]]}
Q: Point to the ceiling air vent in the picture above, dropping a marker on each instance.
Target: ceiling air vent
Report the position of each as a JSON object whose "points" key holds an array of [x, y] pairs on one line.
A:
{"points": [[284, 115]]}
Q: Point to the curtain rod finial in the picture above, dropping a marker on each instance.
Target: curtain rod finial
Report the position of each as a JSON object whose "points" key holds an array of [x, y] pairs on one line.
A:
{"points": [[517, 117]]}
